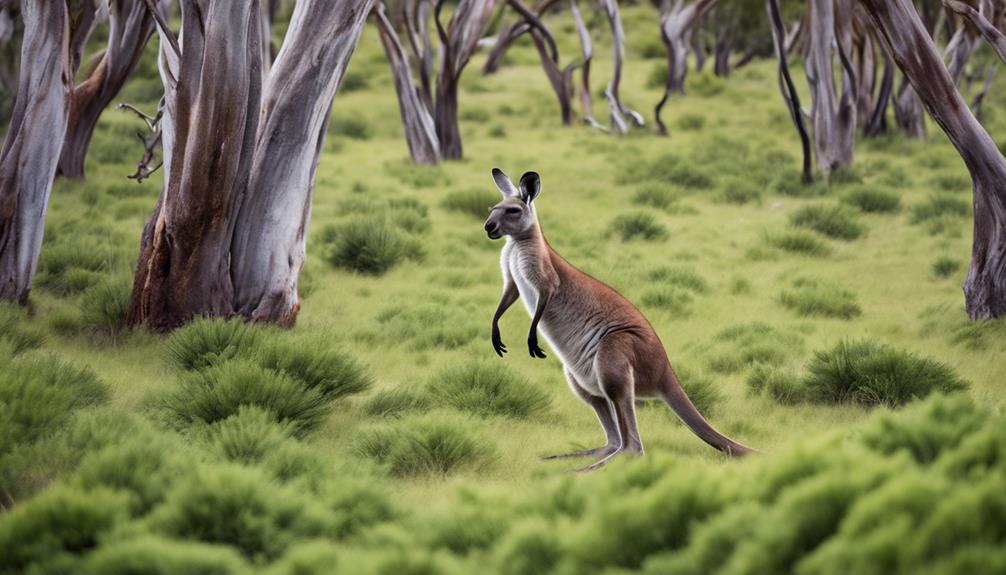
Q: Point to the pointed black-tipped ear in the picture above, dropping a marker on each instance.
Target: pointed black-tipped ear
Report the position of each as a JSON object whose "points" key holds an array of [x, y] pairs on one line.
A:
{"points": [[504, 184], [530, 186]]}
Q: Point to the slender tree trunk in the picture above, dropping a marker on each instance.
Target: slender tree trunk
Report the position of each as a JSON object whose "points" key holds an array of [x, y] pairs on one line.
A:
{"points": [[415, 14], [587, 49], [31, 147], [724, 46], [561, 80], [130, 26], [787, 87], [510, 33], [619, 111], [677, 22], [908, 113], [420, 133], [458, 42], [227, 236], [912, 48], [699, 48], [834, 120], [877, 122], [976, 104]]}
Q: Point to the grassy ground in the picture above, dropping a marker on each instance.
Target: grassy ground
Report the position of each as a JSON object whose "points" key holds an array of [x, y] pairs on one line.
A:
{"points": [[728, 278]]}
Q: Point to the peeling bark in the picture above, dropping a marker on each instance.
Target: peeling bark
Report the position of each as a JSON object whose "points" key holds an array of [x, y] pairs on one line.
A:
{"points": [[787, 87], [912, 48], [677, 21], [31, 147], [458, 42], [227, 236], [415, 13], [130, 26], [420, 133]]}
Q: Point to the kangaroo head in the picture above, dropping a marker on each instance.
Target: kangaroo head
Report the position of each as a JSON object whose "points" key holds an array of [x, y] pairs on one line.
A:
{"points": [[515, 213]]}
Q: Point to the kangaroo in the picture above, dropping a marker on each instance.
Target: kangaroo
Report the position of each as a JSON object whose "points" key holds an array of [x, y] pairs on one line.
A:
{"points": [[610, 353]]}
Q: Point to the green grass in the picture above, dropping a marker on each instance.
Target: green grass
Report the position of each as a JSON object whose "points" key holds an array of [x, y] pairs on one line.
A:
{"points": [[810, 297], [322, 448]]}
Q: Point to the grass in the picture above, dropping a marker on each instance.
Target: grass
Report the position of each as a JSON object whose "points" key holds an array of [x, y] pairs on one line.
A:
{"points": [[484, 389], [810, 297], [475, 202], [116, 485], [834, 221], [638, 225], [872, 200]]}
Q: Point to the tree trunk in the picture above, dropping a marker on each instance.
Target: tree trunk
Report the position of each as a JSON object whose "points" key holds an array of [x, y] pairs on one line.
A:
{"points": [[786, 85], [31, 148], [510, 33], [458, 42], [834, 121], [877, 122], [587, 49], [420, 134], [908, 112], [561, 80], [965, 41], [677, 21], [724, 45], [130, 26], [913, 50], [618, 109], [227, 236]]}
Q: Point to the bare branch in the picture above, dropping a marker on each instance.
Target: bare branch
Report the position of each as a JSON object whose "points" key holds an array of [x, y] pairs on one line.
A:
{"points": [[991, 34]]}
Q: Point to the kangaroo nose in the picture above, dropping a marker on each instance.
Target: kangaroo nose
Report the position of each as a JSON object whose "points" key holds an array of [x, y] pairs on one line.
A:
{"points": [[491, 226]]}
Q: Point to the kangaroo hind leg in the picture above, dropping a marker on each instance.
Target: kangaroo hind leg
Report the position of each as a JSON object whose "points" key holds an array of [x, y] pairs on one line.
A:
{"points": [[605, 416]]}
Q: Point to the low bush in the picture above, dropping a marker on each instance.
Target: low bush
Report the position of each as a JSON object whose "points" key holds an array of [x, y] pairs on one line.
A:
{"points": [[945, 266], [204, 342], [740, 191], [475, 202], [790, 183], [844, 176], [331, 372], [369, 245], [872, 200], [781, 385], [488, 389], [104, 306], [219, 391], [835, 221], [818, 298], [70, 267], [952, 182], [248, 436], [15, 331], [681, 277], [691, 122], [938, 207], [396, 402], [871, 373], [433, 444], [143, 466], [670, 299], [353, 127], [800, 242], [640, 225], [655, 195], [745, 344], [152, 555]]}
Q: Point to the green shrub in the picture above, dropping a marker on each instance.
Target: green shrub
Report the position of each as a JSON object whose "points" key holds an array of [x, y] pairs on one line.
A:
{"points": [[142, 466], [432, 445], [396, 402], [844, 175], [704, 84], [655, 195], [681, 277], [14, 330], [475, 202], [332, 373], [487, 389], [69, 267], [781, 385], [497, 132], [872, 200], [800, 242], [219, 391], [691, 122], [104, 306], [57, 525], [670, 299], [871, 373], [638, 225], [150, 555], [745, 344], [817, 298], [952, 182], [532, 546], [237, 506], [205, 342], [740, 191], [835, 221], [416, 175], [790, 183], [38, 395], [938, 207], [248, 436], [353, 127], [945, 266], [369, 246]]}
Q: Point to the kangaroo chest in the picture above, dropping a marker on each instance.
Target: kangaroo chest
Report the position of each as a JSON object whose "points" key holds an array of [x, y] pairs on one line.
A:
{"points": [[521, 268]]}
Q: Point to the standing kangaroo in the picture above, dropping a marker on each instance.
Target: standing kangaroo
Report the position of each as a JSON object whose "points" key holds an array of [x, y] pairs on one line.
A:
{"points": [[609, 351]]}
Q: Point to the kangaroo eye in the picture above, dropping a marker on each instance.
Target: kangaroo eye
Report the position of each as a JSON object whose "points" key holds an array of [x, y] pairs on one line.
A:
{"points": [[512, 211]]}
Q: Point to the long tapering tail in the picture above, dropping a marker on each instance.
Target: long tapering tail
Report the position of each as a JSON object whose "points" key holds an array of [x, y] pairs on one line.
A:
{"points": [[683, 407]]}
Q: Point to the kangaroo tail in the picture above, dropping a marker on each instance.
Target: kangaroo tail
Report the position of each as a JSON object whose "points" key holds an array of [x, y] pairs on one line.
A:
{"points": [[683, 407]]}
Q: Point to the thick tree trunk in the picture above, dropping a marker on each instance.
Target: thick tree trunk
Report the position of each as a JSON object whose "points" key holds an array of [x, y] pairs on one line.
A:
{"points": [[31, 147], [507, 36], [677, 21], [227, 236], [834, 120], [420, 133], [458, 42], [912, 48], [130, 26], [786, 85], [587, 49]]}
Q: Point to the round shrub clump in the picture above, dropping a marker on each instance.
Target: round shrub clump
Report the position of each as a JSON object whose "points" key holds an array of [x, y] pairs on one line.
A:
{"points": [[872, 200], [835, 221], [871, 373], [369, 245], [640, 225], [434, 444], [205, 342], [817, 298], [332, 373], [488, 389]]}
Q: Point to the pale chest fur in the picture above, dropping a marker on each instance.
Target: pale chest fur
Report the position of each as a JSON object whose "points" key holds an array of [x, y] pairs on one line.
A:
{"points": [[519, 264]]}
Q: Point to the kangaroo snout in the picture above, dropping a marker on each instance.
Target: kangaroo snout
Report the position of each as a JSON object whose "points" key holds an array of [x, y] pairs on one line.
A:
{"points": [[492, 228]]}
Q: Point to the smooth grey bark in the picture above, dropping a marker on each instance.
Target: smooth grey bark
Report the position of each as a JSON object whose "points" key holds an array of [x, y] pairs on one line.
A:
{"points": [[980, 20], [227, 236], [913, 50], [458, 41], [834, 117], [965, 40], [787, 87], [420, 133], [34, 137], [619, 111], [130, 26], [415, 13], [587, 50], [677, 22], [876, 123]]}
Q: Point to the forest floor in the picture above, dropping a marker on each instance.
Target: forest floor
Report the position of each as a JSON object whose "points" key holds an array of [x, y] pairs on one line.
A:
{"points": [[697, 229]]}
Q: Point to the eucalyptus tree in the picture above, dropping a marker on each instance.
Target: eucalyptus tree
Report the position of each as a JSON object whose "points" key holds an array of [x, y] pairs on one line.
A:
{"points": [[240, 152]]}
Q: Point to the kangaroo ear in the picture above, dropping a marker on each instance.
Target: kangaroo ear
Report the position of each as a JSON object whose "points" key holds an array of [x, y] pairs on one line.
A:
{"points": [[530, 186], [504, 184]]}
